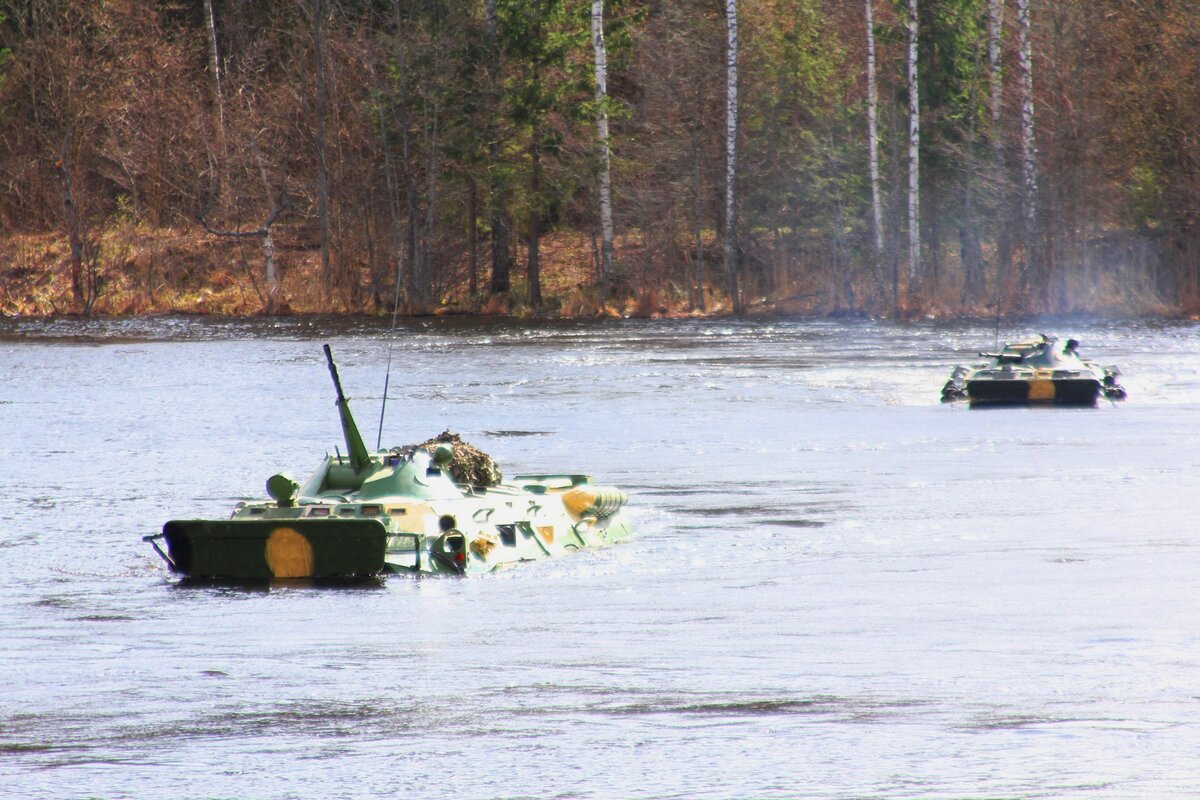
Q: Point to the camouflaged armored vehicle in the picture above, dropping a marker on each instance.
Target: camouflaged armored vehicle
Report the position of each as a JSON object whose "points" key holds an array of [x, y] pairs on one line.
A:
{"points": [[438, 507], [1040, 371]]}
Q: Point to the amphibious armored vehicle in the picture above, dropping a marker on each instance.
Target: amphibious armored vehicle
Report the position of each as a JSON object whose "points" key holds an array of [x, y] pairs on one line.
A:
{"points": [[1043, 370], [414, 509]]}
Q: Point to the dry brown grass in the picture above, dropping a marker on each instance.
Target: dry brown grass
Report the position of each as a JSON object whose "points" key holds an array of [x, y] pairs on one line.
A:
{"points": [[184, 270]]}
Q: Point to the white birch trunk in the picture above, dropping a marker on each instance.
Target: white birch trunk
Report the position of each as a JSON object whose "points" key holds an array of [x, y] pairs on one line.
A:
{"points": [[696, 289], [1028, 143], [272, 273], [500, 282], [219, 96], [873, 130], [606, 223], [322, 176], [914, 146], [215, 56], [995, 70], [425, 288], [731, 126]]}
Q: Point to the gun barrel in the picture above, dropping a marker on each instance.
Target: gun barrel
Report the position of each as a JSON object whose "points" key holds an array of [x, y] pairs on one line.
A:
{"points": [[337, 382], [359, 457]]}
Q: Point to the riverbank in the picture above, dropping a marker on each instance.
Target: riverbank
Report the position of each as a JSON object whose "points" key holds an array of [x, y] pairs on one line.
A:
{"points": [[141, 271]]}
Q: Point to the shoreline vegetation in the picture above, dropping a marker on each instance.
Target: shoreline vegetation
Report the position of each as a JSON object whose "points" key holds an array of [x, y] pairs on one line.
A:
{"points": [[143, 272], [600, 158]]}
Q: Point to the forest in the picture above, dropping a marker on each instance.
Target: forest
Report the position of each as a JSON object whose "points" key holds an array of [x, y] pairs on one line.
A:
{"points": [[600, 157]]}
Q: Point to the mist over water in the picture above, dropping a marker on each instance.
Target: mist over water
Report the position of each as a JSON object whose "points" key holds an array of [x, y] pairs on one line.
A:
{"points": [[838, 587]]}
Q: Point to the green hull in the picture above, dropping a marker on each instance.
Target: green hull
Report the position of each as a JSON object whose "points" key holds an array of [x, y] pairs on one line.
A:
{"points": [[264, 549]]}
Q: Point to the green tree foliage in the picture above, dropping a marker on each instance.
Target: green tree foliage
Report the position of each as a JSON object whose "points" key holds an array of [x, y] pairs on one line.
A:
{"points": [[955, 151], [805, 171]]}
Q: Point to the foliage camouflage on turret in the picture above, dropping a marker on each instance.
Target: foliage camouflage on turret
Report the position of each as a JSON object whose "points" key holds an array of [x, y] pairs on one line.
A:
{"points": [[470, 465]]}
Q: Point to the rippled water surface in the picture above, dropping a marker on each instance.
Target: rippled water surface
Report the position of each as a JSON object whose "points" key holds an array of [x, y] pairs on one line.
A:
{"points": [[838, 587]]}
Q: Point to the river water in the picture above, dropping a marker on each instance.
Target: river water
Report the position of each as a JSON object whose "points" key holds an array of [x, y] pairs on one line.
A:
{"points": [[838, 587]]}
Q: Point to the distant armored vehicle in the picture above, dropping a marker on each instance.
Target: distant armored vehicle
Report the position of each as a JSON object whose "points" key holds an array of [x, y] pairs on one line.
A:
{"points": [[1039, 371], [438, 507]]}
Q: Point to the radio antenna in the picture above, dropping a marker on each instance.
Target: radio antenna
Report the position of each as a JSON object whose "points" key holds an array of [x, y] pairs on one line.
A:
{"points": [[387, 376]]}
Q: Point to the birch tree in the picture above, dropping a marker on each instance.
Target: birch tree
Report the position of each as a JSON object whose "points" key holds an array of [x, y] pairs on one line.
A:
{"points": [[605, 188], [914, 157], [263, 232], [425, 271], [218, 92], [497, 199], [74, 227], [995, 109], [970, 245], [1029, 178], [873, 135], [995, 73], [533, 266], [731, 128], [318, 20]]}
